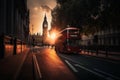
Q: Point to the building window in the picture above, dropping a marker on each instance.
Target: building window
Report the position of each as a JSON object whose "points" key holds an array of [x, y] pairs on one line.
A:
{"points": [[117, 41], [111, 41]]}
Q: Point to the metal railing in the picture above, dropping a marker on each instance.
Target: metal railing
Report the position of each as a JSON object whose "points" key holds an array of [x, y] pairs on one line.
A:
{"points": [[102, 49]]}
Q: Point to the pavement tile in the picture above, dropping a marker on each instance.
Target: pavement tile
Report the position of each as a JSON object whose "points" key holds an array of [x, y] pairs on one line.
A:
{"points": [[9, 67]]}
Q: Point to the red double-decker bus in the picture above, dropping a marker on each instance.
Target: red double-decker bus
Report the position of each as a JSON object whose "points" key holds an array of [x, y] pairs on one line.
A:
{"points": [[69, 41]]}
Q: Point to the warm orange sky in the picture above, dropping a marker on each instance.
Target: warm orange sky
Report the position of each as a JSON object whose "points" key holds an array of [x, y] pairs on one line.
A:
{"points": [[38, 8]]}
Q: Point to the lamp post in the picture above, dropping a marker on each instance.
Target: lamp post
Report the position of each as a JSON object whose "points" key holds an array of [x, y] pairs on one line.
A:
{"points": [[32, 36]]}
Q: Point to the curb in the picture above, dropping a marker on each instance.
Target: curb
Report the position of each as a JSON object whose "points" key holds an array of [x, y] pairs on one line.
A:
{"points": [[104, 57]]}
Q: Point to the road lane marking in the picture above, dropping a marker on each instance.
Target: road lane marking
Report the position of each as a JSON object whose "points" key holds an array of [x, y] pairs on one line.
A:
{"points": [[37, 66], [108, 74], [70, 65], [98, 74], [71, 60], [94, 72]]}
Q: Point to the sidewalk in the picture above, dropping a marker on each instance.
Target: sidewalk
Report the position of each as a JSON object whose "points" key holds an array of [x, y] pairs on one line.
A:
{"points": [[10, 67], [101, 55]]}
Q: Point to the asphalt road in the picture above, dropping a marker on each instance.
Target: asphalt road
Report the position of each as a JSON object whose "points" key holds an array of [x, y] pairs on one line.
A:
{"points": [[51, 66], [92, 68], [44, 63]]}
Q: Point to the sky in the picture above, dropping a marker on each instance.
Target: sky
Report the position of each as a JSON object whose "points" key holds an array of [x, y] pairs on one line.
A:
{"points": [[38, 9]]}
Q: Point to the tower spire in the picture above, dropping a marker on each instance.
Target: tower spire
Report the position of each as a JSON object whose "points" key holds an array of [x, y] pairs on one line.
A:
{"points": [[45, 18], [45, 23]]}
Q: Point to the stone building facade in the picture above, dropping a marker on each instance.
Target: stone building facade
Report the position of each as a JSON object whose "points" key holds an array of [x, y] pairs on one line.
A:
{"points": [[14, 19], [109, 36], [14, 27]]}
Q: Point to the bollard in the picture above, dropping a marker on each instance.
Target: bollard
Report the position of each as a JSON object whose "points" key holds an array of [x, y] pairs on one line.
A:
{"points": [[15, 46], [21, 46]]}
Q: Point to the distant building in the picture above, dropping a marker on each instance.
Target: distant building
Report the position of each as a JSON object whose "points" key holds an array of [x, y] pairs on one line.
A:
{"points": [[14, 19], [36, 39]]}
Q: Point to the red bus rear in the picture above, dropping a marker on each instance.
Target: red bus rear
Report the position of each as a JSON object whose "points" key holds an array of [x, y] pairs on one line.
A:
{"points": [[69, 40]]}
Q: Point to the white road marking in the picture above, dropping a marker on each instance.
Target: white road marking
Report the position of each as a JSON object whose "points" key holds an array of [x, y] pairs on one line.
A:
{"points": [[89, 70], [71, 60], [37, 66], [94, 72], [70, 65], [107, 73], [98, 73]]}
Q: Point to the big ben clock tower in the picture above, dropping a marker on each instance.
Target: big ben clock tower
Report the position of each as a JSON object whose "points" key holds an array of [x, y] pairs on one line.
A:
{"points": [[45, 29]]}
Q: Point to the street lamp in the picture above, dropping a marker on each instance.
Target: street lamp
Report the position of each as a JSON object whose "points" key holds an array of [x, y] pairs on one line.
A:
{"points": [[52, 37]]}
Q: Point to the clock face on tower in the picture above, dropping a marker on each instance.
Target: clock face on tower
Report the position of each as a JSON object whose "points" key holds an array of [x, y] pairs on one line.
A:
{"points": [[45, 25]]}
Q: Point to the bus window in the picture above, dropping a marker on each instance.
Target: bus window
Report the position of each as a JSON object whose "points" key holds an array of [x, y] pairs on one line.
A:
{"points": [[74, 42]]}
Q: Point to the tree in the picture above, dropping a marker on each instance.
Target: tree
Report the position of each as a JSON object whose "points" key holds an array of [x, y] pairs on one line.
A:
{"points": [[88, 15]]}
